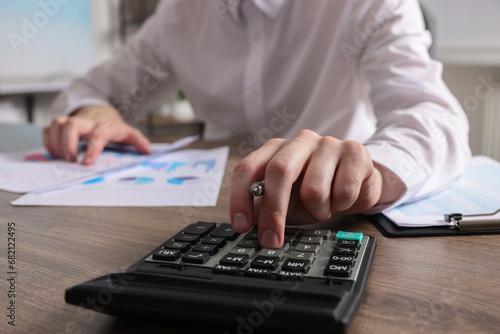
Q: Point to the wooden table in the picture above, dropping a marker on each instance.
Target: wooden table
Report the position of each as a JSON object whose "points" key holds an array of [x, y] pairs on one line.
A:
{"points": [[417, 285]]}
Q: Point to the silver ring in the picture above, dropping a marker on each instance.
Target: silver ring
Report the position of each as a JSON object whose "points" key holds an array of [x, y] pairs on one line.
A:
{"points": [[257, 188]]}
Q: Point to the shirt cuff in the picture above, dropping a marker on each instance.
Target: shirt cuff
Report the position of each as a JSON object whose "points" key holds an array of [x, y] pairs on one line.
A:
{"points": [[64, 107], [78, 95], [396, 163]]}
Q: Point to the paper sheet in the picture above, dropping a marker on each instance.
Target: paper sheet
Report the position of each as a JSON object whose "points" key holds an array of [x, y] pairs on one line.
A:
{"points": [[476, 192], [180, 178], [29, 170]]}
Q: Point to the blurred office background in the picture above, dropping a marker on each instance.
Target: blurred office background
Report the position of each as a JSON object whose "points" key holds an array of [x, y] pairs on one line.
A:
{"points": [[51, 43], [44, 44]]}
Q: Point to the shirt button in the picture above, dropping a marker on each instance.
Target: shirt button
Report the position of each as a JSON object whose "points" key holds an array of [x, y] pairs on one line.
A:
{"points": [[253, 97]]}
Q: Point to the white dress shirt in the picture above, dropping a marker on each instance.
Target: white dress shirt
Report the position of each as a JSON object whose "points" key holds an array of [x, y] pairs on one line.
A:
{"points": [[353, 69]]}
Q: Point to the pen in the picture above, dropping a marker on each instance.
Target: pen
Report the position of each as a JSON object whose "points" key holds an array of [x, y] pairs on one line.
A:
{"points": [[471, 224], [257, 188], [119, 148]]}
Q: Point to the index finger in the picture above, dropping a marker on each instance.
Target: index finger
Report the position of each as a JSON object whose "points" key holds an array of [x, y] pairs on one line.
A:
{"points": [[97, 140], [281, 173], [249, 170], [72, 130]]}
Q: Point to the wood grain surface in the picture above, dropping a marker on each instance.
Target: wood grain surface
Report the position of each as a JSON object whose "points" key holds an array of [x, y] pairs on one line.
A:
{"points": [[417, 285]]}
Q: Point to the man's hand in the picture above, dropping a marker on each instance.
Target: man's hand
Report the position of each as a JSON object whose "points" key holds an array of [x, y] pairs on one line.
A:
{"points": [[97, 124], [307, 179]]}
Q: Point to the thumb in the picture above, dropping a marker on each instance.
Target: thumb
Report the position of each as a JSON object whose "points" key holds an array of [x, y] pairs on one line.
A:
{"points": [[118, 132]]}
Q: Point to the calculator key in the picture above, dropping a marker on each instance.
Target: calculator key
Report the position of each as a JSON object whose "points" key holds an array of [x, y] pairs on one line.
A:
{"points": [[325, 234], [292, 231], [182, 246], [350, 243], [272, 253], [242, 251], [200, 228], [225, 231], [344, 250], [286, 247], [264, 263], [307, 248], [289, 239], [340, 270], [257, 272], [341, 259], [166, 254], [209, 249], [195, 257], [253, 234], [349, 236], [227, 270], [219, 242], [248, 243], [309, 256], [191, 238], [291, 265], [234, 260], [290, 276], [311, 240]]}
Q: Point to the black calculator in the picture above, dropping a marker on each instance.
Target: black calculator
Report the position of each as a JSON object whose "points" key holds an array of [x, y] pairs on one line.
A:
{"points": [[208, 277]]}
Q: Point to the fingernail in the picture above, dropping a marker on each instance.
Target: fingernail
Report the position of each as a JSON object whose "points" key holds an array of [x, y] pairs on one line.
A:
{"points": [[269, 239], [240, 222], [87, 160]]}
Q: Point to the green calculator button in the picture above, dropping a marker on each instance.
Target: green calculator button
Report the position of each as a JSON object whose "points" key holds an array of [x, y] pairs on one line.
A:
{"points": [[349, 236]]}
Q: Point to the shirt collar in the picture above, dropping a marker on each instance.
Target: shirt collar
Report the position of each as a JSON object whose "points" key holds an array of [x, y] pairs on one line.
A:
{"points": [[270, 8]]}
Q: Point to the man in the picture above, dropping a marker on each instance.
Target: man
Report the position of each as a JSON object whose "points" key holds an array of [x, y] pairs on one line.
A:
{"points": [[367, 121]]}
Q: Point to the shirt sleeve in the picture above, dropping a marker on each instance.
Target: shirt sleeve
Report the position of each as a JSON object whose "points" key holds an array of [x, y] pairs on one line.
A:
{"points": [[133, 81], [422, 131]]}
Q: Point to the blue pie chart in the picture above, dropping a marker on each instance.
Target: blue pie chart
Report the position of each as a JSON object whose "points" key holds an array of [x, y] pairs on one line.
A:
{"points": [[181, 180], [137, 180], [94, 181]]}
